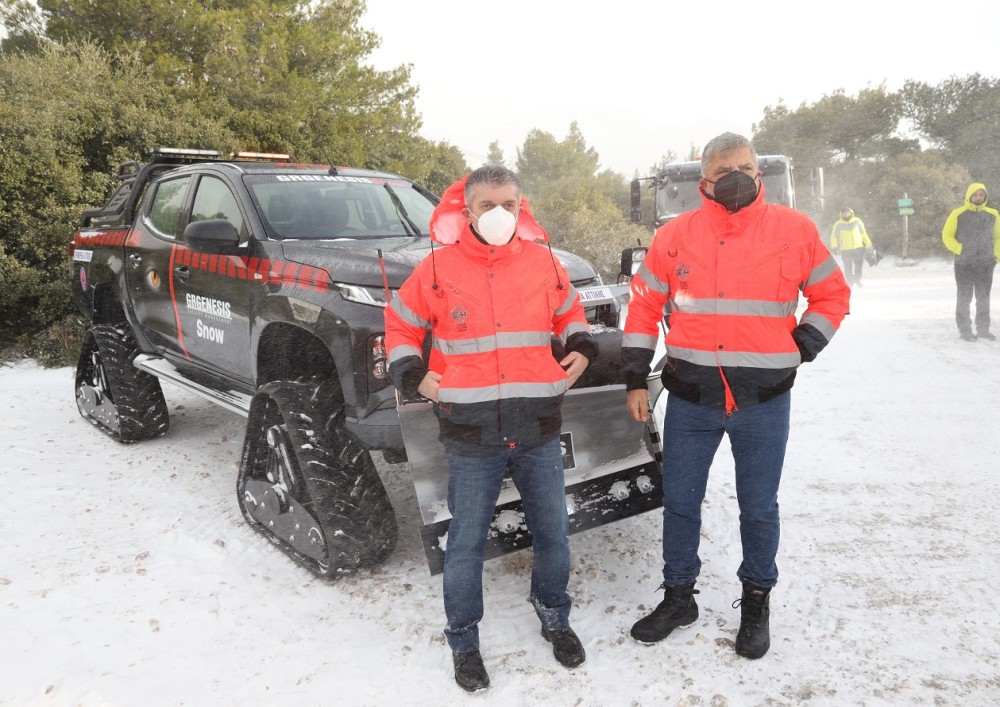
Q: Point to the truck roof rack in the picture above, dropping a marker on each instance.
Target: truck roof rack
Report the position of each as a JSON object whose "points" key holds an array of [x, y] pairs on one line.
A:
{"points": [[128, 170], [187, 154]]}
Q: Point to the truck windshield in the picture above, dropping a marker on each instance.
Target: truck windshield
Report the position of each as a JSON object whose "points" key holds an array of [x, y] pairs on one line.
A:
{"points": [[322, 207], [676, 196]]}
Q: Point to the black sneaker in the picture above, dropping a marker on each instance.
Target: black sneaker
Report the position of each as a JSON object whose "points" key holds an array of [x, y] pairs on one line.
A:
{"points": [[754, 637], [470, 673], [566, 647], [987, 336], [677, 609], [968, 336]]}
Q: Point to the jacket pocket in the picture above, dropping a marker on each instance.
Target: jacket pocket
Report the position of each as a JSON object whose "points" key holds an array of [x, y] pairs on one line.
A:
{"points": [[457, 309], [780, 266], [792, 276], [538, 303]]}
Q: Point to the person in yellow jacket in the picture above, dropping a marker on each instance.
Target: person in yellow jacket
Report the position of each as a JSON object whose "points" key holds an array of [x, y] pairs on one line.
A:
{"points": [[972, 233], [850, 239]]}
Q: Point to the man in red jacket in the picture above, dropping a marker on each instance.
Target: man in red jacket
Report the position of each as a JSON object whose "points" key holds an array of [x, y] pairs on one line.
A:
{"points": [[730, 274], [492, 300]]}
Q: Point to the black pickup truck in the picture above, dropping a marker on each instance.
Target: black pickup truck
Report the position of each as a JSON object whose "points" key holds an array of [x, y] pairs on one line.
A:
{"points": [[260, 284]]}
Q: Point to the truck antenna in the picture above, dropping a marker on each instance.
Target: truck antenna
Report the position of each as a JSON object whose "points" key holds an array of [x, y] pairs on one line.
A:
{"points": [[385, 279], [332, 171]]}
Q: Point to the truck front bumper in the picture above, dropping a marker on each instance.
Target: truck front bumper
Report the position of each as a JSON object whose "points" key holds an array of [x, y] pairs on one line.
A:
{"points": [[611, 464]]}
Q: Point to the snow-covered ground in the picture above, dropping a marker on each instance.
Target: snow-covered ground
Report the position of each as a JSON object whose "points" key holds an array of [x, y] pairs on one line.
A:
{"points": [[128, 576]]}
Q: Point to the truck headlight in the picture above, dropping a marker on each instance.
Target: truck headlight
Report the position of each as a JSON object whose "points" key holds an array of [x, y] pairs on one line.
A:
{"points": [[373, 296]]}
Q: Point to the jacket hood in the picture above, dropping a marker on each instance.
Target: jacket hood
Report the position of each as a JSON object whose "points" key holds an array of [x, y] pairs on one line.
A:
{"points": [[973, 188], [448, 223]]}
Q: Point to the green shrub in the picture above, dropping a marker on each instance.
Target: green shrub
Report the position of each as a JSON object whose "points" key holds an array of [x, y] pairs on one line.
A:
{"points": [[57, 346]]}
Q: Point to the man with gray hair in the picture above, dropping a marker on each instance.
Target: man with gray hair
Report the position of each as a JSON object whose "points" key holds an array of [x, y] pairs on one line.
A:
{"points": [[492, 300], [730, 272]]}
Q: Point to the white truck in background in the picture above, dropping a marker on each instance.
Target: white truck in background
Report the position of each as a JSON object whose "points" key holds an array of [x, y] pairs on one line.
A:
{"points": [[675, 189]]}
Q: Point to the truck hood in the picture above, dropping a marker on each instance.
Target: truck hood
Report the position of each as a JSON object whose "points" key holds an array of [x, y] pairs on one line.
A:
{"points": [[356, 262]]}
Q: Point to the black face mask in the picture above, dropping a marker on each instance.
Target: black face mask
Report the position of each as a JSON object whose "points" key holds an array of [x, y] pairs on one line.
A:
{"points": [[736, 190]]}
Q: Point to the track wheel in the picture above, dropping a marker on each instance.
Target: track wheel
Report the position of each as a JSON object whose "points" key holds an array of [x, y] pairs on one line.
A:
{"points": [[308, 485], [116, 397]]}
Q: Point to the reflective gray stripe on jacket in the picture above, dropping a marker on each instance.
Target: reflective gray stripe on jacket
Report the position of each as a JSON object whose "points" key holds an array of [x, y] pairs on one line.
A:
{"points": [[730, 359], [501, 340], [503, 391]]}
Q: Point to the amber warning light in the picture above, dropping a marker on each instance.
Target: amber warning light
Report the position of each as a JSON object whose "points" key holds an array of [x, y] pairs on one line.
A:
{"points": [[272, 156]]}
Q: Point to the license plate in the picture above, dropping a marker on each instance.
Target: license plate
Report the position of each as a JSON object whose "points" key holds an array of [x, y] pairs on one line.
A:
{"points": [[595, 294]]}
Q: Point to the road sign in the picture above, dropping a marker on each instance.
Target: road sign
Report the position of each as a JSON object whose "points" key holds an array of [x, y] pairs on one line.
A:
{"points": [[905, 211], [904, 203]]}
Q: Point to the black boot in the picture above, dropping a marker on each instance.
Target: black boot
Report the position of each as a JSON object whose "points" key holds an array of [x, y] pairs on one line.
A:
{"points": [[566, 647], [754, 637], [677, 609], [470, 673]]}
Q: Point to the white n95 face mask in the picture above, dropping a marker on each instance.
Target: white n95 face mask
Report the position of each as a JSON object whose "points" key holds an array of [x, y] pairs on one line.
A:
{"points": [[496, 226]]}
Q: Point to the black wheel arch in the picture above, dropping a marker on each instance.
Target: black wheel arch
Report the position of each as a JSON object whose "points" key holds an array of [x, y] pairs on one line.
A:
{"points": [[289, 352], [106, 306]]}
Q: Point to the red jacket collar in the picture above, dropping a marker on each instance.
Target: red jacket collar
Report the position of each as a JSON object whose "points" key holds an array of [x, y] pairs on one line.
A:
{"points": [[471, 246], [720, 217]]}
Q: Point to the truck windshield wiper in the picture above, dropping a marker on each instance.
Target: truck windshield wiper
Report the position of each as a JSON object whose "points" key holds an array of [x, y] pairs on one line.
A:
{"points": [[408, 224]]}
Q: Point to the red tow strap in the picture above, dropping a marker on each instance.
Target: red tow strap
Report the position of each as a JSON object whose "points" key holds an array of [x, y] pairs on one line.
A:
{"points": [[730, 400]]}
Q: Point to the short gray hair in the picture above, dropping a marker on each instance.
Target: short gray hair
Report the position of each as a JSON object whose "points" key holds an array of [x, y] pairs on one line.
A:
{"points": [[723, 144], [495, 175]]}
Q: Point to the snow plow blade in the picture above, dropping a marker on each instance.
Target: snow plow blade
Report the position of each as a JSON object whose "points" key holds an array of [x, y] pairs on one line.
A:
{"points": [[611, 464]]}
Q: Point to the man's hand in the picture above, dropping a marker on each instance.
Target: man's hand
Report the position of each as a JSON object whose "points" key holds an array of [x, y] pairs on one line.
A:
{"points": [[637, 403], [575, 364], [429, 386]]}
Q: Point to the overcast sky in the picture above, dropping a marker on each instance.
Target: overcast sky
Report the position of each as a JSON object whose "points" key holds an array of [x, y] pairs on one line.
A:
{"points": [[641, 77]]}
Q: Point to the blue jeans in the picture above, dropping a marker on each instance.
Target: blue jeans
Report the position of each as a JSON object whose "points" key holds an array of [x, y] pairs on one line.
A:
{"points": [[692, 433], [473, 488]]}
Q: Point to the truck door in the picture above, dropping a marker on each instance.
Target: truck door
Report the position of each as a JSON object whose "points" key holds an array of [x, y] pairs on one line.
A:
{"points": [[211, 290], [148, 254]]}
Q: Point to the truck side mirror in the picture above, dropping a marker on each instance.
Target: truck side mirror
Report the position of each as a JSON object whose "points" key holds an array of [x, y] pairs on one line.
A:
{"points": [[818, 188], [634, 194], [816, 179], [631, 260], [214, 235]]}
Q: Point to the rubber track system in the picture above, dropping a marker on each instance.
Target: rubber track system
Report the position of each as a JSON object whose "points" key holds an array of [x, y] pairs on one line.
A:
{"points": [[308, 485], [114, 396]]}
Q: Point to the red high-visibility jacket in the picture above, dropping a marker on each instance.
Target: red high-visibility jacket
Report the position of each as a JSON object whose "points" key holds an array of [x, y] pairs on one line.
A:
{"points": [[730, 284], [492, 312]]}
